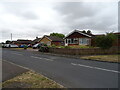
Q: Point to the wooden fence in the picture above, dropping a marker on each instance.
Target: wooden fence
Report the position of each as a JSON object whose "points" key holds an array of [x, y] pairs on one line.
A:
{"points": [[84, 51]]}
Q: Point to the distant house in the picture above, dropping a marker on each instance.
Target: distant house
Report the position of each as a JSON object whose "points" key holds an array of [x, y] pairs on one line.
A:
{"points": [[35, 41], [52, 40], [21, 42], [77, 38]]}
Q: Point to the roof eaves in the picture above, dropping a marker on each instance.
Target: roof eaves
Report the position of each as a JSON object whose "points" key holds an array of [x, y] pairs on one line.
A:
{"points": [[78, 32]]}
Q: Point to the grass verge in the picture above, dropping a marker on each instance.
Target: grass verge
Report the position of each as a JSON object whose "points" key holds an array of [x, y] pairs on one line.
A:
{"points": [[108, 58], [30, 79]]}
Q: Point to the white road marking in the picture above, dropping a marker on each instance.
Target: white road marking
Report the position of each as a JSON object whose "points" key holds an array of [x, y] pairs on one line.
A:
{"points": [[17, 53], [95, 68], [17, 65], [36, 57], [42, 58]]}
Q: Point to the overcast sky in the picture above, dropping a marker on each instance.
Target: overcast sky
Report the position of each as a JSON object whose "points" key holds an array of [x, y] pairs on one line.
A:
{"points": [[26, 20]]}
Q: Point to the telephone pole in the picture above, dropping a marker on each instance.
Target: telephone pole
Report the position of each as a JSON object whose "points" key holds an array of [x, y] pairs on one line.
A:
{"points": [[11, 36]]}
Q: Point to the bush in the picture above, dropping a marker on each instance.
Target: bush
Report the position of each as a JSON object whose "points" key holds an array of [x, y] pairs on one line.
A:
{"points": [[44, 49], [105, 41], [53, 46], [67, 47]]}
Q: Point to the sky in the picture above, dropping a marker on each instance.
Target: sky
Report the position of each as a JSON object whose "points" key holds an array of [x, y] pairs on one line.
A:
{"points": [[31, 19]]}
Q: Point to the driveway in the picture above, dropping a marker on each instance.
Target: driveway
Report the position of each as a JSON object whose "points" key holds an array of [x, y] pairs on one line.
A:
{"points": [[69, 72]]}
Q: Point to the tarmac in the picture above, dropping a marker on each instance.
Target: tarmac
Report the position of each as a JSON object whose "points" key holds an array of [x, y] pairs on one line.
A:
{"points": [[10, 70]]}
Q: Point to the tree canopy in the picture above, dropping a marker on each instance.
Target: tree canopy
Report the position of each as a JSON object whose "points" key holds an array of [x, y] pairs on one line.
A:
{"points": [[87, 32], [60, 35]]}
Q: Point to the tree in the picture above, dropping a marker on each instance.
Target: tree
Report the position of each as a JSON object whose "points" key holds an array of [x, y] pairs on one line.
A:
{"points": [[89, 32], [57, 35], [8, 42], [105, 41], [83, 31]]}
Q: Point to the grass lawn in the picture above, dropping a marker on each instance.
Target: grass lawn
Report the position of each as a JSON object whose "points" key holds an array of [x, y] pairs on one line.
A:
{"points": [[73, 46], [109, 58], [30, 79]]}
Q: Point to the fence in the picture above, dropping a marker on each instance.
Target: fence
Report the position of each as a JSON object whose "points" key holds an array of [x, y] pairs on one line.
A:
{"points": [[84, 51]]}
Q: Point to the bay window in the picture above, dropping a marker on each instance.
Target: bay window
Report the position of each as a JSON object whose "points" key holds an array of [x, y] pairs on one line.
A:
{"points": [[83, 41]]}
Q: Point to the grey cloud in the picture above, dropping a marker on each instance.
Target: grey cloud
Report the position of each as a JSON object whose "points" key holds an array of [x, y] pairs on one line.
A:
{"points": [[98, 17], [29, 15], [20, 9], [86, 15], [75, 10]]}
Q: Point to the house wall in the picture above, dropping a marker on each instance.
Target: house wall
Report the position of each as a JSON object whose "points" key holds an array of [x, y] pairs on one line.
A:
{"points": [[77, 35], [57, 43], [45, 41]]}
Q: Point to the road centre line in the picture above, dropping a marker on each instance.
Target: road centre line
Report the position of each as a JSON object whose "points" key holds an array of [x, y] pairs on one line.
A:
{"points": [[42, 58], [95, 68]]}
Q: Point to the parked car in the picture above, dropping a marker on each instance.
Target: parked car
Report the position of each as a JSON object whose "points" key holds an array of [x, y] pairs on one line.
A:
{"points": [[21, 46], [13, 46], [6, 45], [29, 45], [36, 46], [10, 46]]}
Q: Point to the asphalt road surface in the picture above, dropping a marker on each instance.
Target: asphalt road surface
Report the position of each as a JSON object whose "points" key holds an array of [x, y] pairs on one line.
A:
{"points": [[11, 70], [69, 72]]}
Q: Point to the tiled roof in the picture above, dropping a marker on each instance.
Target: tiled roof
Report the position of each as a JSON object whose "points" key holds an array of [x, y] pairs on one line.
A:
{"points": [[36, 40], [54, 38]]}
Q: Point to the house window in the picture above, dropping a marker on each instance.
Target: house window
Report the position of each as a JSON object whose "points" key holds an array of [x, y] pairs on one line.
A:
{"points": [[69, 41], [48, 43], [84, 41], [75, 40], [66, 40], [72, 41]]}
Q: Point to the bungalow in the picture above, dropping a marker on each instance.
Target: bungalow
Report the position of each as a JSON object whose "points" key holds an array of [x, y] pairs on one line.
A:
{"points": [[35, 41], [23, 41], [77, 38], [52, 40]]}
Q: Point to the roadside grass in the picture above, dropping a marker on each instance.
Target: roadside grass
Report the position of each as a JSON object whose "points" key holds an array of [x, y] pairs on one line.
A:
{"points": [[30, 79], [74, 46], [108, 58]]}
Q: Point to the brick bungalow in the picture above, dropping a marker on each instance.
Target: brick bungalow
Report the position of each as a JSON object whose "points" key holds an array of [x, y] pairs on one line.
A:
{"points": [[77, 38], [52, 40]]}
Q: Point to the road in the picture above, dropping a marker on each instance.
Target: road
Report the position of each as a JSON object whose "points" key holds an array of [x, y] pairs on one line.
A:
{"points": [[69, 72]]}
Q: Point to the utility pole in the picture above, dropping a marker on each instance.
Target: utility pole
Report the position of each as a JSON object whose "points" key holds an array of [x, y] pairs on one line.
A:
{"points": [[11, 36]]}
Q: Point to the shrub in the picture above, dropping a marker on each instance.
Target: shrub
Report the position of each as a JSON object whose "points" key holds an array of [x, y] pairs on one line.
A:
{"points": [[53, 46], [61, 46], [67, 47], [105, 41]]}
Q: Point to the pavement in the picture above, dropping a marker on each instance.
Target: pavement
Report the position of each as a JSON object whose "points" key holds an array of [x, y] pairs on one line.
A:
{"points": [[10, 70], [69, 72]]}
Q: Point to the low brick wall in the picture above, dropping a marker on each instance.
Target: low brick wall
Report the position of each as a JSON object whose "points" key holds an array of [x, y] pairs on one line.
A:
{"points": [[83, 51]]}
